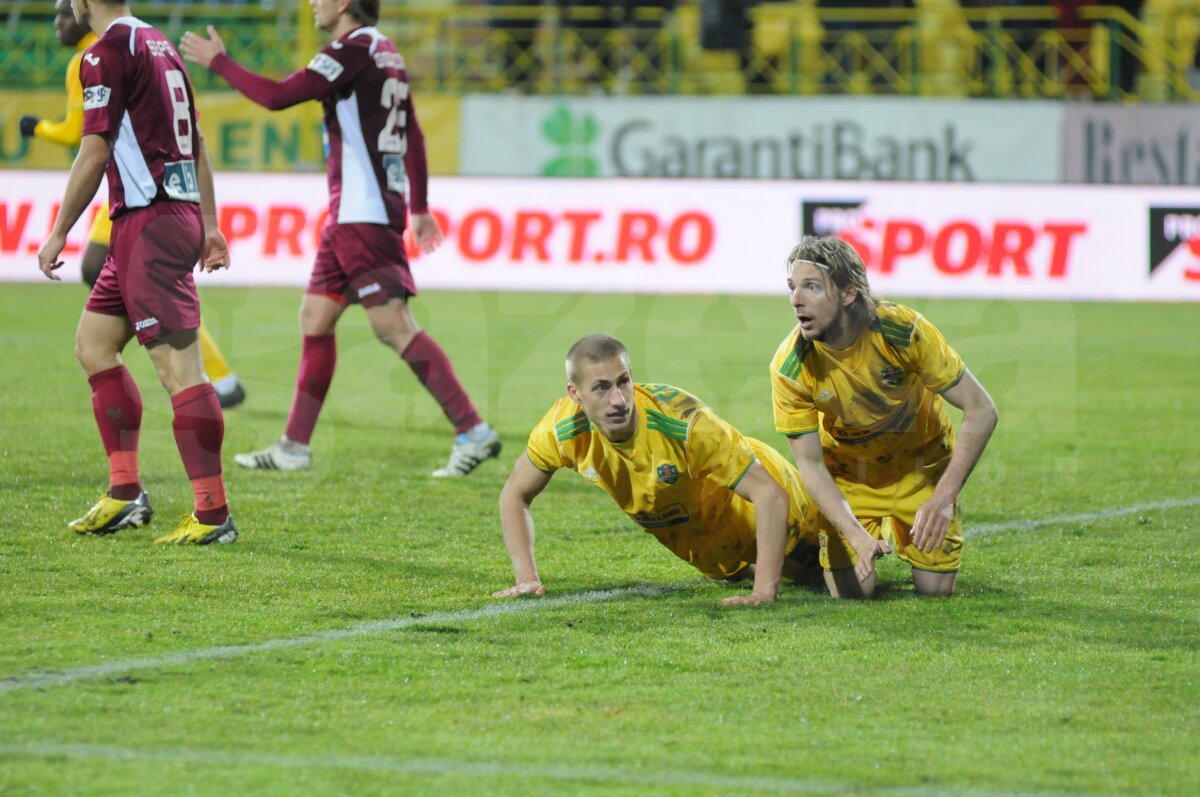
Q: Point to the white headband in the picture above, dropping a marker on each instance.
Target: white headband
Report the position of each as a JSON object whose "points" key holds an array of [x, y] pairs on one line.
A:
{"points": [[821, 266]]}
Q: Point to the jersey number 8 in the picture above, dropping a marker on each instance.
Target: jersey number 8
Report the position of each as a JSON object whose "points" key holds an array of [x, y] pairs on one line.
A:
{"points": [[177, 88]]}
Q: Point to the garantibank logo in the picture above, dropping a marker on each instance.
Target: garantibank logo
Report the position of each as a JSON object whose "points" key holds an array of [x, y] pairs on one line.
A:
{"points": [[651, 145], [842, 149], [572, 137], [1175, 233]]}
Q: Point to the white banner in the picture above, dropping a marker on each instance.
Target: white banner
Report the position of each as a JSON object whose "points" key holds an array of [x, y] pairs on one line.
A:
{"points": [[685, 236], [1141, 144], [762, 137]]}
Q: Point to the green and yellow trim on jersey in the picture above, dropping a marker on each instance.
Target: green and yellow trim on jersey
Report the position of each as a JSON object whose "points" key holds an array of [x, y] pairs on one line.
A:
{"points": [[894, 333], [577, 424], [671, 427], [793, 364]]}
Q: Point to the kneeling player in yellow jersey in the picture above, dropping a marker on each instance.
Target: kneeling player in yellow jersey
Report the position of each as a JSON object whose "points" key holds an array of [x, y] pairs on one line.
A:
{"points": [[726, 504], [73, 33], [858, 387]]}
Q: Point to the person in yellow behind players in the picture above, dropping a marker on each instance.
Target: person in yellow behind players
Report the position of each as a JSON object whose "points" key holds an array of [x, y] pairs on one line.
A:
{"points": [[729, 505], [68, 132], [857, 387]]}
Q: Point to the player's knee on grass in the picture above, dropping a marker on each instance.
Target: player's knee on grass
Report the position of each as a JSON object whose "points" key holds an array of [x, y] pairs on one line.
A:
{"points": [[846, 584], [940, 585]]}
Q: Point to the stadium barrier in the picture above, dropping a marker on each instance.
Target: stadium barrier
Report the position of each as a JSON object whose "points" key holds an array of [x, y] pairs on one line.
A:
{"points": [[240, 135], [672, 236], [798, 47]]}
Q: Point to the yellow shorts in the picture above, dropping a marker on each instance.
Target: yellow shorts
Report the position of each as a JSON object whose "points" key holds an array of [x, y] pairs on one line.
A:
{"points": [[101, 230], [836, 553]]}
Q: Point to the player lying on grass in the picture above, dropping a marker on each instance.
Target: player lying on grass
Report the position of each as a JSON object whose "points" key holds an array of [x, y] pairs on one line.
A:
{"points": [[858, 387], [729, 505]]}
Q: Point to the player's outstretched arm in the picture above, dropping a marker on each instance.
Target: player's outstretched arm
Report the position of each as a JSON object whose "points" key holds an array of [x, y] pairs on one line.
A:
{"points": [[810, 461], [82, 184], [215, 254], [771, 514], [524, 484], [979, 421], [298, 87]]}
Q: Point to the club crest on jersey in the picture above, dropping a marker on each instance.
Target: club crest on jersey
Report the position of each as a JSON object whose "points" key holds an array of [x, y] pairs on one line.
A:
{"points": [[326, 66], [96, 97], [668, 474], [892, 376]]}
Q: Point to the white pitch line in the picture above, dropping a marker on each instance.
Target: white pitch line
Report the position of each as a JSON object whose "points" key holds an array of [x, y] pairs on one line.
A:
{"points": [[526, 772], [1083, 517], [44, 679]]}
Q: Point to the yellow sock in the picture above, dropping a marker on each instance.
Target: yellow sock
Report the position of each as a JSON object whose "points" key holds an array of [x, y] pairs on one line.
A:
{"points": [[214, 362]]}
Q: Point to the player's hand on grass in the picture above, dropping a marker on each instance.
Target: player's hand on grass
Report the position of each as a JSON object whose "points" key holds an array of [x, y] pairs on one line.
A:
{"points": [[27, 125], [932, 522], [48, 260], [216, 252], [521, 588], [753, 599], [426, 231], [200, 50], [868, 549]]}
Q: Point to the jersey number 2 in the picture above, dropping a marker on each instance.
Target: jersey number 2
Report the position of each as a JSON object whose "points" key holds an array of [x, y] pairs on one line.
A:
{"points": [[182, 124], [392, 97]]}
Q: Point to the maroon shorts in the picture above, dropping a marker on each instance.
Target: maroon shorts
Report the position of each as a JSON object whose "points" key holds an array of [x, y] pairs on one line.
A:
{"points": [[147, 276], [362, 263]]}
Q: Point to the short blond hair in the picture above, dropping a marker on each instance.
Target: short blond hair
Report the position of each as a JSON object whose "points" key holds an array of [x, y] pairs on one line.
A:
{"points": [[594, 348]]}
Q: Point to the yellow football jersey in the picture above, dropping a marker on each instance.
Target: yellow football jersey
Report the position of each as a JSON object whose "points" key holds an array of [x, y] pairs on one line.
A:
{"points": [[69, 131], [675, 476], [876, 406]]}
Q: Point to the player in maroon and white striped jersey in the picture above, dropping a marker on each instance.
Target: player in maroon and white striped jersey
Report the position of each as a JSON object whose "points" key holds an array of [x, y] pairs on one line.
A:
{"points": [[375, 151], [139, 125]]}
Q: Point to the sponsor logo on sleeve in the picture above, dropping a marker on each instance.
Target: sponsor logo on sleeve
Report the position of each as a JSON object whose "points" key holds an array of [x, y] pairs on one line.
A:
{"points": [[96, 97], [92, 60], [326, 67]]}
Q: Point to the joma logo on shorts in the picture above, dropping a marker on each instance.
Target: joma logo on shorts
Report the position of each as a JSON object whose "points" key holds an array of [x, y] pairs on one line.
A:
{"points": [[145, 323], [367, 291]]}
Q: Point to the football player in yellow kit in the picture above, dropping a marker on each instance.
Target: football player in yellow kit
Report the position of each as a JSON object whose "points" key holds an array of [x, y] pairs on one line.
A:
{"points": [[729, 505], [858, 388], [68, 132]]}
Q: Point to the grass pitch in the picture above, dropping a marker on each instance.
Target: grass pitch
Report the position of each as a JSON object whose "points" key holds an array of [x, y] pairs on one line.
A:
{"points": [[347, 644]]}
